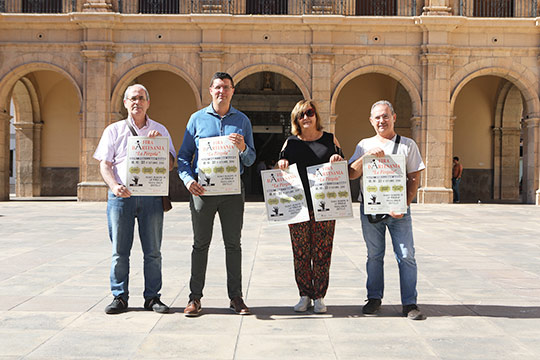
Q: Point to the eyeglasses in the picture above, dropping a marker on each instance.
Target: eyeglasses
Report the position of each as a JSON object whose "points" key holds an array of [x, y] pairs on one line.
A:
{"points": [[308, 112], [135, 98], [224, 88]]}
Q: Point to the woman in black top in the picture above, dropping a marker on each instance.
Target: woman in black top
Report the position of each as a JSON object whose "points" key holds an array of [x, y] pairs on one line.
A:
{"points": [[311, 240]]}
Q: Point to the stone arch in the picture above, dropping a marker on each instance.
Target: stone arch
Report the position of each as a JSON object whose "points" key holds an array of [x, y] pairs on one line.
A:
{"points": [[399, 71], [518, 74], [9, 80], [277, 64], [27, 123], [129, 75]]}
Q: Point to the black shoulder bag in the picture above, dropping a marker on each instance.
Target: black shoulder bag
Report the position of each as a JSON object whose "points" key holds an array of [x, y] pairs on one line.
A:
{"points": [[380, 217], [166, 200]]}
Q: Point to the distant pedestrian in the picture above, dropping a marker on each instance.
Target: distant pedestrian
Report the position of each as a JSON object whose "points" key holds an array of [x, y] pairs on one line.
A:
{"points": [[457, 171]]}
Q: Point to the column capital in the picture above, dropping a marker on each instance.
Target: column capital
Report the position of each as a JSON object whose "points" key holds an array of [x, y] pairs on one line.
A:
{"points": [[322, 53], [532, 122], [416, 121], [211, 52], [4, 116], [95, 54]]}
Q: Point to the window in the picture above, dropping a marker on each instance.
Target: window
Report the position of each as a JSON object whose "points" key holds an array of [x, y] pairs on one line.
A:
{"points": [[42, 6], [493, 8], [376, 7]]}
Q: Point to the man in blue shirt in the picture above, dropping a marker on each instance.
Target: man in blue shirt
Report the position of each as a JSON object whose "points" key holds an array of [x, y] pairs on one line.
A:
{"points": [[218, 119]]}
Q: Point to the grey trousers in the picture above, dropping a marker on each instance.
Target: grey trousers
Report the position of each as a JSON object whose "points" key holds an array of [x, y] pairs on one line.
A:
{"points": [[231, 215]]}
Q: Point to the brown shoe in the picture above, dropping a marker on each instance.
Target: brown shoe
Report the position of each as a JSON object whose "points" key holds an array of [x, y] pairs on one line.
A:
{"points": [[193, 308], [238, 306]]}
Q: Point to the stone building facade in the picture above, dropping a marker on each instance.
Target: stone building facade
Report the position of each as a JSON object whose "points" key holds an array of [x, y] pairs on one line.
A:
{"points": [[463, 74]]}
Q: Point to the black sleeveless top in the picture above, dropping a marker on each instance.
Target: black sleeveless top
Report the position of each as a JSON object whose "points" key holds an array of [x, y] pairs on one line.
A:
{"points": [[308, 153]]}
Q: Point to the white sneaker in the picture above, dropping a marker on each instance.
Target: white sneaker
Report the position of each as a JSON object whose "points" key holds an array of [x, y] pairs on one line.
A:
{"points": [[319, 307], [303, 304]]}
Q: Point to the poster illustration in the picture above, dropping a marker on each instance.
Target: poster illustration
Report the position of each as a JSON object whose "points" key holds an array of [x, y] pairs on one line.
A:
{"points": [[219, 166], [384, 184], [148, 165], [284, 196], [330, 191]]}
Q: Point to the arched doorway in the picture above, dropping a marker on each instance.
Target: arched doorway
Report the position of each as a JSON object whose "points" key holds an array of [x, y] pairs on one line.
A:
{"points": [[172, 101], [45, 116], [353, 107], [267, 98], [488, 140]]}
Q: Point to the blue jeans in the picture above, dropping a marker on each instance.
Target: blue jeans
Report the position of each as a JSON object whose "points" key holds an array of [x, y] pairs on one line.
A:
{"points": [[121, 214], [455, 188], [402, 241]]}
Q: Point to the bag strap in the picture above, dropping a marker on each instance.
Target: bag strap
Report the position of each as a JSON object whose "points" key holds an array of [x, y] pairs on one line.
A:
{"points": [[396, 144], [133, 130]]}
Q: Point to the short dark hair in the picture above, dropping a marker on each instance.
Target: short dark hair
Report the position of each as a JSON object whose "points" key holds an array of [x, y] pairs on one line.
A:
{"points": [[222, 76], [456, 158]]}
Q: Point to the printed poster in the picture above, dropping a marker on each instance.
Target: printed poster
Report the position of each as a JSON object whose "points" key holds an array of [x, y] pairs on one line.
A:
{"points": [[284, 196], [330, 191], [385, 184], [219, 166], [148, 165]]}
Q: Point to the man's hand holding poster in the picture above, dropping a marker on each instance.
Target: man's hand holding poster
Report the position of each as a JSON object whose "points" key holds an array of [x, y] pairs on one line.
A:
{"points": [[219, 166], [384, 184]]}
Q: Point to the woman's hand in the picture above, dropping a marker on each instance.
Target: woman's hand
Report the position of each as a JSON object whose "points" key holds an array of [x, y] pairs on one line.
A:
{"points": [[336, 157], [283, 164]]}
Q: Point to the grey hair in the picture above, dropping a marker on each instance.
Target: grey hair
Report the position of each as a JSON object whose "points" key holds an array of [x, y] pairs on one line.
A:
{"points": [[138, 86], [382, 102]]}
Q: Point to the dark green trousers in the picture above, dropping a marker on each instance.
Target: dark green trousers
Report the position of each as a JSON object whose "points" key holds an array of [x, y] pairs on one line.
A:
{"points": [[231, 215]]}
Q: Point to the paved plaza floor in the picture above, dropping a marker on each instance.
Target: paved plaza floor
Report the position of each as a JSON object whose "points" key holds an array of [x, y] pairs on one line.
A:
{"points": [[479, 284]]}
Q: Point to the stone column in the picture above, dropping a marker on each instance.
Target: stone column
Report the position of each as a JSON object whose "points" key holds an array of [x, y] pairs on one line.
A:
{"points": [[211, 55], [211, 63], [4, 155], [531, 161], [509, 181], [28, 165], [436, 112], [98, 56], [436, 187], [416, 131], [322, 61]]}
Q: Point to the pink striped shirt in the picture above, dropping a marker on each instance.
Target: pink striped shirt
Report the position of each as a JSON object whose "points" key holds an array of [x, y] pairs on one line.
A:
{"points": [[113, 144]]}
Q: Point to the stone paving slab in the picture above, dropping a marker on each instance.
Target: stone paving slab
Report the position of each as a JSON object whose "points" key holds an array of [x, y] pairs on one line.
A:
{"points": [[479, 284]]}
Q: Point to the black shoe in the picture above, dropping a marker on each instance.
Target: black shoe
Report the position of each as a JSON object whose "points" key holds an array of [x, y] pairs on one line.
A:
{"points": [[412, 312], [372, 306], [239, 307], [117, 306], [156, 305]]}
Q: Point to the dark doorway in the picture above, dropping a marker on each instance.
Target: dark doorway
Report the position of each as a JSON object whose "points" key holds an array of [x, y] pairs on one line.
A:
{"points": [[267, 98]]}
